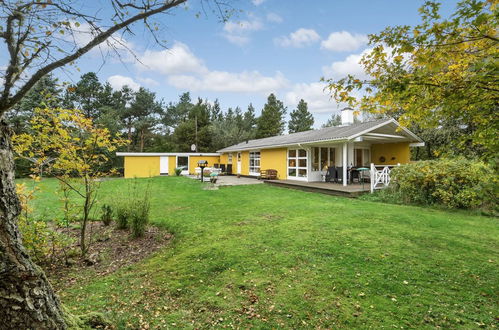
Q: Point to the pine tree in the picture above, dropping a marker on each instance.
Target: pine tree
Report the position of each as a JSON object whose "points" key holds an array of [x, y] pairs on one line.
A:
{"points": [[85, 95], [301, 120], [45, 93], [250, 120], [271, 121], [335, 120]]}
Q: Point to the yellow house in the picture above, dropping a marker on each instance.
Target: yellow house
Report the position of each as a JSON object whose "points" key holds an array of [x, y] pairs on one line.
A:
{"points": [[148, 164], [307, 156]]}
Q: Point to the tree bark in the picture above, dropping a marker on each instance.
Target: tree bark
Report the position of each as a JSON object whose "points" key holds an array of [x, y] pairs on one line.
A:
{"points": [[27, 300]]}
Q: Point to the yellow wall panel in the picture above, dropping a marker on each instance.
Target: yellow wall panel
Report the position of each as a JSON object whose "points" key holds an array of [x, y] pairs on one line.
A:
{"points": [[141, 167], [172, 164], [393, 153], [244, 163], [193, 161], [274, 159]]}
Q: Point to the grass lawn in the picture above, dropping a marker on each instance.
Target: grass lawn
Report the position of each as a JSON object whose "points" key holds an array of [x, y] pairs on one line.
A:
{"points": [[267, 257]]}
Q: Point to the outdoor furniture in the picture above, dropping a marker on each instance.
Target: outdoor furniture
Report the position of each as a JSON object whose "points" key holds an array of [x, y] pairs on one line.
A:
{"points": [[362, 171], [331, 174], [213, 177], [354, 174], [339, 174], [269, 174]]}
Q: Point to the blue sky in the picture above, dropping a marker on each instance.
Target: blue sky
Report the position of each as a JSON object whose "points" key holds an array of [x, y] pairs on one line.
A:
{"points": [[279, 46]]}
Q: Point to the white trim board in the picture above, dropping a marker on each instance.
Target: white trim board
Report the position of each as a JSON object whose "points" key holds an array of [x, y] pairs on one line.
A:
{"points": [[156, 154]]}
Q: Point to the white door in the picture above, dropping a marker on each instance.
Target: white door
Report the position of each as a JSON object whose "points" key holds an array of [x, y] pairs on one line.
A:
{"points": [[163, 165], [238, 163]]}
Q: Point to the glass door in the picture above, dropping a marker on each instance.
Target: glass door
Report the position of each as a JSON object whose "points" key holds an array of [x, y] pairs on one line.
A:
{"points": [[297, 164], [183, 163]]}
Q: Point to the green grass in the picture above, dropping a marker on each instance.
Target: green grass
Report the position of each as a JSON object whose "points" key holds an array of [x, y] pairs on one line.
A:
{"points": [[267, 257]]}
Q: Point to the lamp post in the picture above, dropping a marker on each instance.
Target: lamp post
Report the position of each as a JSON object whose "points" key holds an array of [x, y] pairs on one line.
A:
{"points": [[202, 164]]}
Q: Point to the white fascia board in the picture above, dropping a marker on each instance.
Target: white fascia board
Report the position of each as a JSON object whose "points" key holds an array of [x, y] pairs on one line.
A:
{"points": [[156, 154], [286, 145], [391, 120], [417, 144]]}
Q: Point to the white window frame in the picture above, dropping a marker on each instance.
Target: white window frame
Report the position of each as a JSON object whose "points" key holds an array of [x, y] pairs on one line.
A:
{"points": [[328, 160], [366, 151], [297, 159], [229, 158], [255, 169], [188, 161]]}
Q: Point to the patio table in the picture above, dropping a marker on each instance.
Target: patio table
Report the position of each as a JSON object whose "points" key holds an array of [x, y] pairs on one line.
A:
{"points": [[361, 171]]}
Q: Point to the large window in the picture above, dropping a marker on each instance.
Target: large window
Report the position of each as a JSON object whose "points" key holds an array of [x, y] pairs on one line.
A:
{"points": [[254, 162], [361, 157], [183, 163], [322, 158], [297, 163]]}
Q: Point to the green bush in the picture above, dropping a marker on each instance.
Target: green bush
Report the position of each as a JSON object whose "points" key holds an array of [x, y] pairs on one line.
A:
{"points": [[122, 216], [454, 183], [132, 208], [107, 214], [139, 216], [178, 171]]}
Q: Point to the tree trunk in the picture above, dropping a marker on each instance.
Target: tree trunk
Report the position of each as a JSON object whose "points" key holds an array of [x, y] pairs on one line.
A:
{"points": [[27, 300]]}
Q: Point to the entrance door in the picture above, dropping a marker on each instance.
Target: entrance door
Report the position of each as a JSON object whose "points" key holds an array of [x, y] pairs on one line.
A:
{"points": [[238, 163], [163, 165], [183, 163]]}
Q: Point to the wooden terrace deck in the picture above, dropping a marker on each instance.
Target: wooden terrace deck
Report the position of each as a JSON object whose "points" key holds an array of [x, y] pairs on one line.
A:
{"points": [[337, 189]]}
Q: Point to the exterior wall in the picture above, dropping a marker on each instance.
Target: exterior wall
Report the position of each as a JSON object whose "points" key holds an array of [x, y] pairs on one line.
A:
{"points": [[224, 159], [141, 167], [193, 161], [275, 159], [244, 163], [172, 163], [399, 151]]}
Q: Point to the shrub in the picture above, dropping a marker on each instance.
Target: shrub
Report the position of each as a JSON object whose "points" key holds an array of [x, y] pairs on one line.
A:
{"points": [[454, 183], [107, 214], [139, 216], [122, 216], [132, 210], [178, 171], [39, 239]]}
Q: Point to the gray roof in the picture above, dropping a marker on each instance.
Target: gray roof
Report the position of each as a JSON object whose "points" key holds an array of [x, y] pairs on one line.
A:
{"points": [[319, 135]]}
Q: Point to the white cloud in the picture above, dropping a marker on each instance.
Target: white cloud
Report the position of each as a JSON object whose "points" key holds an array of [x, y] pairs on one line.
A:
{"points": [[222, 81], [344, 41], [350, 65], [238, 32], [118, 81], [83, 33], [300, 38], [258, 2], [274, 18], [179, 59], [237, 40], [243, 26], [314, 94], [184, 70], [148, 81]]}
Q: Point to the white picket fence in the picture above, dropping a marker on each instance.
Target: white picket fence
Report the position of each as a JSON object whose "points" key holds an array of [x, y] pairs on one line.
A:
{"points": [[380, 176]]}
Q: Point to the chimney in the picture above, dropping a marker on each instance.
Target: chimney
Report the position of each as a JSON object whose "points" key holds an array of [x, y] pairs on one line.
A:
{"points": [[346, 116]]}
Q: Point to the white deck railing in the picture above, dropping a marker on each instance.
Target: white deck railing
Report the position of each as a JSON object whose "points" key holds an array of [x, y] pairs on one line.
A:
{"points": [[380, 176]]}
